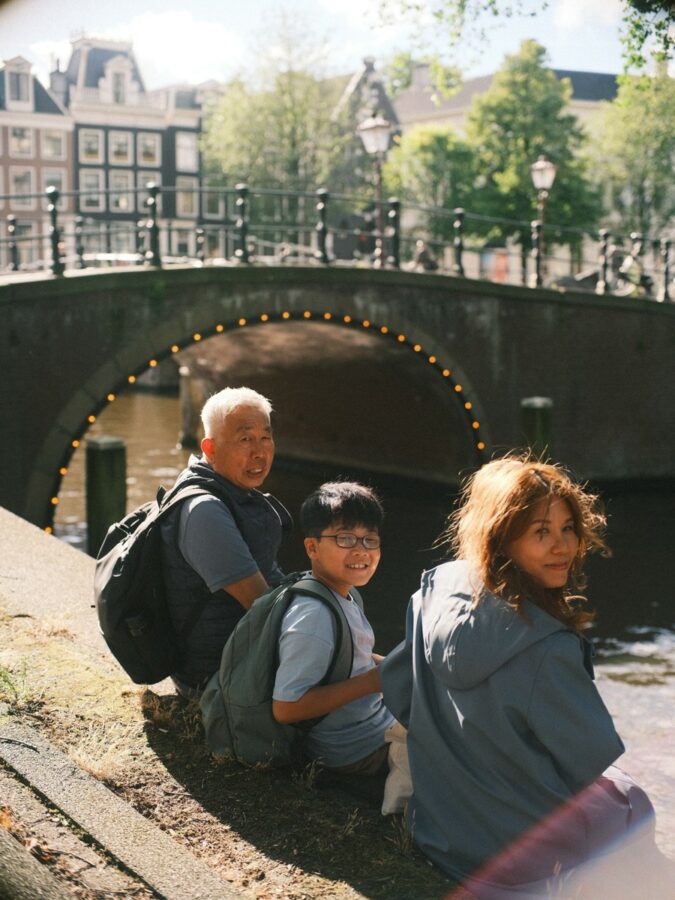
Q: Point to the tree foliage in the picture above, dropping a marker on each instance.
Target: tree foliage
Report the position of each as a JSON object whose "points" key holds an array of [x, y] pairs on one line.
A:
{"points": [[274, 127], [432, 167], [634, 151], [522, 116], [648, 24]]}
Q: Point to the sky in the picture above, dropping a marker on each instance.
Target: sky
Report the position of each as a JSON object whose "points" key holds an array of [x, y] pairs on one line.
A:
{"points": [[191, 42]]}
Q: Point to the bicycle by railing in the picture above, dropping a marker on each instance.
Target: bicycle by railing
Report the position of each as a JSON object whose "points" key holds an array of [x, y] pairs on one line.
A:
{"points": [[263, 224]]}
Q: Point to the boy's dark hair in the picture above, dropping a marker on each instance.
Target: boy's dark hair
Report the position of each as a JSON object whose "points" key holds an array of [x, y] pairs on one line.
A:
{"points": [[347, 502]]}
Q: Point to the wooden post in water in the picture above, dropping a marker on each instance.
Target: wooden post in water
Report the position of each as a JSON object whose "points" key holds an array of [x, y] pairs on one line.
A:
{"points": [[536, 415], [106, 487]]}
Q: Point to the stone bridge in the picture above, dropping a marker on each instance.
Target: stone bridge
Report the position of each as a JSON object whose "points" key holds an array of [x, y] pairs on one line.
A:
{"points": [[401, 372]]}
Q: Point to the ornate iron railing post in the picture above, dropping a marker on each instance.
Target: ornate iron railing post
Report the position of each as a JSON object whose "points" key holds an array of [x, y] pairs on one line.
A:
{"points": [[664, 293], [139, 239], [603, 262], [200, 240], [394, 229], [12, 246], [241, 224], [458, 241], [57, 265], [152, 256], [536, 252], [79, 242], [321, 226]]}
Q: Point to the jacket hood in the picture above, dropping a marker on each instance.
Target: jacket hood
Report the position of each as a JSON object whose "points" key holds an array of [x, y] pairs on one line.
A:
{"points": [[472, 641]]}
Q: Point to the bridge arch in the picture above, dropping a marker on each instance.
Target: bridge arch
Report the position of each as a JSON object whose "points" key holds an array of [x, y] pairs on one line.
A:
{"points": [[84, 408], [70, 343]]}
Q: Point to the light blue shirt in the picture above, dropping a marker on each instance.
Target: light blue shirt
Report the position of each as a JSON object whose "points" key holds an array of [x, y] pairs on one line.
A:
{"points": [[306, 645]]}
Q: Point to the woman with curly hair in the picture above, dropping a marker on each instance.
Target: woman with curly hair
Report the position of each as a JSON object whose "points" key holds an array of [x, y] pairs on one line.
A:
{"points": [[508, 738]]}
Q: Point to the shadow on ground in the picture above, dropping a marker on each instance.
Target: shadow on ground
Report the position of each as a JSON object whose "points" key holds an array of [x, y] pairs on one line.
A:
{"points": [[313, 821]]}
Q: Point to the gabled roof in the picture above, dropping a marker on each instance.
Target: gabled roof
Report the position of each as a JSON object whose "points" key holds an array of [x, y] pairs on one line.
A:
{"points": [[43, 102], [88, 59], [420, 100], [365, 94]]}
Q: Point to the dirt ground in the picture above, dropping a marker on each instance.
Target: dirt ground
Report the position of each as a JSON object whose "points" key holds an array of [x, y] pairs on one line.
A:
{"points": [[270, 833]]}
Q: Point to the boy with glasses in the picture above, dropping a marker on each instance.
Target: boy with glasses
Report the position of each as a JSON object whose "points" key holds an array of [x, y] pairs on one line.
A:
{"points": [[341, 523]]}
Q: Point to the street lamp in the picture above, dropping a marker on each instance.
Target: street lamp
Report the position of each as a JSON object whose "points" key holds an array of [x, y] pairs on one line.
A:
{"points": [[374, 132], [543, 176]]}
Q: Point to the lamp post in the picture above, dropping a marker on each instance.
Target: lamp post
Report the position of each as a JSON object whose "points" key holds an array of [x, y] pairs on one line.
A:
{"points": [[374, 132], [543, 175]]}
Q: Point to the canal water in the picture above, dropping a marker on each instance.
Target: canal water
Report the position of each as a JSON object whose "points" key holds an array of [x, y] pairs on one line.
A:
{"points": [[633, 591]]}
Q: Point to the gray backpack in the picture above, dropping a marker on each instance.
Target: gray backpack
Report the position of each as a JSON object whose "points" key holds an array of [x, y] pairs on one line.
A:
{"points": [[237, 701]]}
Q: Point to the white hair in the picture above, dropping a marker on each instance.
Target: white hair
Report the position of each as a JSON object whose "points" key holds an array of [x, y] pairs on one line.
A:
{"points": [[218, 407]]}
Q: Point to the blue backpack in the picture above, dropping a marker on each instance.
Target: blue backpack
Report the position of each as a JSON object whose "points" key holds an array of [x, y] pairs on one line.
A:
{"points": [[237, 701]]}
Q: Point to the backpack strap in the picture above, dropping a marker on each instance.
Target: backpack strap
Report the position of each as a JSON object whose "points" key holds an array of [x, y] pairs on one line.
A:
{"points": [[340, 667], [168, 500]]}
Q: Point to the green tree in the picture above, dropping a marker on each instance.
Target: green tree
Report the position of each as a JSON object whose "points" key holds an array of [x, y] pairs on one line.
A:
{"points": [[634, 151], [522, 116], [273, 127], [433, 167]]}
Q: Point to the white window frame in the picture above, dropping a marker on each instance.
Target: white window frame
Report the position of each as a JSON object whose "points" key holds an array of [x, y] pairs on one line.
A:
{"points": [[117, 78], [128, 160], [182, 236], [83, 134], [157, 139], [22, 70], [52, 132], [191, 138], [212, 196], [186, 190], [121, 191], [2, 179], [11, 148], [47, 174], [25, 236], [28, 203], [92, 203]]}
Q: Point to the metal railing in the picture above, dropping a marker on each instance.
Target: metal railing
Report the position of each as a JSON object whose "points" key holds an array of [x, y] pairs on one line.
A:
{"points": [[226, 225]]}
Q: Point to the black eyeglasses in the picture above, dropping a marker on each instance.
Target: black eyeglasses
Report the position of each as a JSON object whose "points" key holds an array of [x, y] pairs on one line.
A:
{"points": [[347, 541]]}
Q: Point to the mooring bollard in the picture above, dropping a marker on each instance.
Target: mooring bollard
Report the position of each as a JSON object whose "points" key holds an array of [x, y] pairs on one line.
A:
{"points": [[536, 415], [106, 487], [192, 397]]}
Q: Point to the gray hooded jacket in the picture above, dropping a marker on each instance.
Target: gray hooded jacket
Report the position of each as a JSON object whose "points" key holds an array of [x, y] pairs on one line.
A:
{"points": [[505, 725]]}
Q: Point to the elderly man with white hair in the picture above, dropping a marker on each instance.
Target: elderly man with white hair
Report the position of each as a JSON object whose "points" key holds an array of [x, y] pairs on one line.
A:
{"points": [[219, 548]]}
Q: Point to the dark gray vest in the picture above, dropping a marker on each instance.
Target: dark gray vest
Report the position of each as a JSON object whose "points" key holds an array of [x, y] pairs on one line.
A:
{"points": [[261, 519]]}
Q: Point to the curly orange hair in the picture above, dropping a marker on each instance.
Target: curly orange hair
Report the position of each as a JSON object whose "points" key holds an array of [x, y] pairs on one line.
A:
{"points": [[496, 505]]}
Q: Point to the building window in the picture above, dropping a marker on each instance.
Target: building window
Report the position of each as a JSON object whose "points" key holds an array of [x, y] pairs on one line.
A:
{"points": [[119, 84], [24, 235], [18, 87], [213, 204], [148, 149], [121, 194], [53, 144], [187, 157], [91, 191], [22, 182], [91, 146], [21, 142], [181, 242], [55, 178], [120, 148], [186, 196]]}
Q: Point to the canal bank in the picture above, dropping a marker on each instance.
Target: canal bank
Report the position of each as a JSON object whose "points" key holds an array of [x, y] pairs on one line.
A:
{"points": [[308, 841], [263, 834]]}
